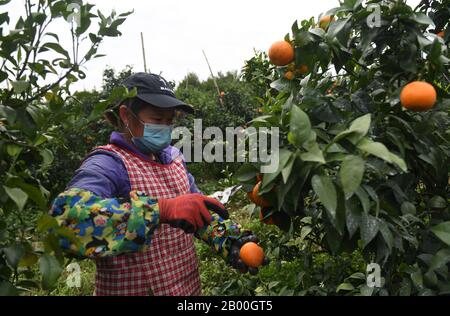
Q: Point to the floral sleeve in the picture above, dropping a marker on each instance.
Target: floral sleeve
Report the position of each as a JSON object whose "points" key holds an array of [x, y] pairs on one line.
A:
{"points": [[104, 227], [220, 234]]}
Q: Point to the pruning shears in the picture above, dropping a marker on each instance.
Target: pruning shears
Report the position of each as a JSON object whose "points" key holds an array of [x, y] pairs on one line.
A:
{"points": [[225, 195]]}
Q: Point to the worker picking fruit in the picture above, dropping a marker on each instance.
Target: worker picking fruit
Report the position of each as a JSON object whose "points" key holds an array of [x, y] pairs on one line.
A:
{"points": [[133, 207]]}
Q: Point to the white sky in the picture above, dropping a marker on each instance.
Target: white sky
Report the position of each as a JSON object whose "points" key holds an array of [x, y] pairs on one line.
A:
{"points": [[176, 31]]}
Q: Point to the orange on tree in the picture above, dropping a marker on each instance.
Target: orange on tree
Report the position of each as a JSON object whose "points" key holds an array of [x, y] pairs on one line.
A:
{"points": [[252, 254], [418, 96], [325, 21], [333, 86], [255, 198], [289, 75], [303, 69], [281, 53]]}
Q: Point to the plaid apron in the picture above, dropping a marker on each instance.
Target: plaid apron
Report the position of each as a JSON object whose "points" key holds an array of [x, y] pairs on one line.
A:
{"points": [[169, 266]]}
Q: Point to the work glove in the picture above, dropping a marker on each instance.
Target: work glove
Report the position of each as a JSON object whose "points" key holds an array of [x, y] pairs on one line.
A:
{"points": [[189, 211], [235, 260]]}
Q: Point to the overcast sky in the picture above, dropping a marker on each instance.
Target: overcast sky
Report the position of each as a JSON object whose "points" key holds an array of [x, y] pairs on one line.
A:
{"points": [[176, 31]]}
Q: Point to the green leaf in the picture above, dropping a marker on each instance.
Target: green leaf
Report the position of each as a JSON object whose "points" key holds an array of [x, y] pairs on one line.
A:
{"points": [[442, 231], [300, 126], [57, 48], [358, 276], [28, 260], [440, 259], [283, 157], [417, 279], [366, 290], [336, 27], [261, 119], [46, 222], [353, 215], [246, 173], [314, 154], [369, 227], [18, 196], [7, 289], [13, 255], [50, 270], [47, 157], [387, 234], [13, 150], [422, 18], [42, 138], [345, 287], [35, 193], [437, 202], [286, 172], [324, 188], [408, 208], [379, 150], [364, 198], [20, 86], [305, 232], [351, 174], [357, 130]]}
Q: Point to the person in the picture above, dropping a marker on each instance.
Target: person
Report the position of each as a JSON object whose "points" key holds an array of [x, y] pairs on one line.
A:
{"points": [[134, 208]]}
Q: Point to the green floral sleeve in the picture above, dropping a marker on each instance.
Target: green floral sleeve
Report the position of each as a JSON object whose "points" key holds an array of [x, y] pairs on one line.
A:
{"points": [[105, 227], [220, 234]]}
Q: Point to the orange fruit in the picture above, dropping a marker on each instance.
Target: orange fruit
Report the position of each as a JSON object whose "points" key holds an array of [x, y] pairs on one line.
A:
{"points": [[281, 53], [289, 75], [418, 96], [303, 69], [250, 196], [222, 94], [256, 198], [252, 254], [325, 21], [268, 220], [440, 34], [329, 91]]}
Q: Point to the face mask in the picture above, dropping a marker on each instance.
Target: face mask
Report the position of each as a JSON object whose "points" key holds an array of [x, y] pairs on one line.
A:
{"points": [[156, 137]]}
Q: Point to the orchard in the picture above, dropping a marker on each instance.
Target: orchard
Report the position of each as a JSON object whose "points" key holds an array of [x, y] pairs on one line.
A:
{"points": [[358, 203]]}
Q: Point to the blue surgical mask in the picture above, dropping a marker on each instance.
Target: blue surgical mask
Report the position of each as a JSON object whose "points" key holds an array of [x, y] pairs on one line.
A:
{"points": [[156, 137]]}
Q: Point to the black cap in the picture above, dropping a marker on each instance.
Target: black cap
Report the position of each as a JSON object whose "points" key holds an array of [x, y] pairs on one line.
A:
{"points": [[155, 90]]}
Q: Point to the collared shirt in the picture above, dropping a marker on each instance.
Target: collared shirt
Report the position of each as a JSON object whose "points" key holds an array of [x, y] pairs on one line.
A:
{"points": [[105, 174]]}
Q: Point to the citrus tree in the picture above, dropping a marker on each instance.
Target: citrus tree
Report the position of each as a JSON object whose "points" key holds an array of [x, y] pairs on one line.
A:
{"points": [[362, 103], [36, 76]]}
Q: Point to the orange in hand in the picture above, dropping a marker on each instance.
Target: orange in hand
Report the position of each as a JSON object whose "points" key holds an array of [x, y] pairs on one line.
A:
{"points": [[252, 254]]}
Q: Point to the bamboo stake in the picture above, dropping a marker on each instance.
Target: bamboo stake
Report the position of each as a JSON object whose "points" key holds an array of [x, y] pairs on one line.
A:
{"points": [[143, 52], [214, 78]]}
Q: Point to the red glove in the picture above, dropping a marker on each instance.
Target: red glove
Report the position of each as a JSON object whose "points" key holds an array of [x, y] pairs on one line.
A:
{"points": [[189, 211]]}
